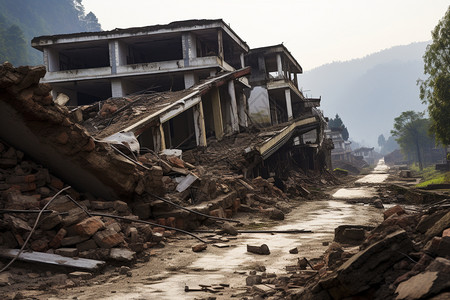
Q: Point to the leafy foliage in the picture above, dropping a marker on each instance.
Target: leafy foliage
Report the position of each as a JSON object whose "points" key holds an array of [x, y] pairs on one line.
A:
{"points": [[21, 20], [337, 124], [435, 90], [411, 130]]}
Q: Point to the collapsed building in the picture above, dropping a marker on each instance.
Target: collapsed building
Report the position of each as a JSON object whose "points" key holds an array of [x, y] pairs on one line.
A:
{"points": [[185, 111]]}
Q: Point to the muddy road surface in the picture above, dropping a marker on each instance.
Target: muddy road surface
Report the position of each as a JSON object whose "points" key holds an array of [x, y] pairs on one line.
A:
{"points": [[173, 268]]}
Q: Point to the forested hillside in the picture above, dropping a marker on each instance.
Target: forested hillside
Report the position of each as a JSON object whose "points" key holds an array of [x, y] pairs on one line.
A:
{"points": [[21, 20], [368, 93]]}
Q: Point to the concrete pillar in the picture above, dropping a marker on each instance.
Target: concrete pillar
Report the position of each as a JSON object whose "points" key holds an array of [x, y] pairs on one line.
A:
{"points": [[190, 79], [121, 53], [295, 80], [287, 94], [113, 51], [117, 88], [242, 60], [220, 43], [52, 56], [189, 47], [199, 124], [217, 113], [234, 112], [242, 109], [279, 66]]}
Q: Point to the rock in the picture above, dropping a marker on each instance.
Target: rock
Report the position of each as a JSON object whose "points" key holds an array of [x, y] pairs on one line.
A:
{"points": [[81, 275], [276, 214], [366, 268], [122, 254], [262, 250], [50, 221], [439, 226], [228, 228], [124, 270], [4, 278], [378, 203], [393, 210], [350, 234], [108, 238], [199, 247], [17, 224], [427, 283], [428, 221], [293, 251], [75, 215], [89, 226], [40, 245], [253, 279], [120, 206]]}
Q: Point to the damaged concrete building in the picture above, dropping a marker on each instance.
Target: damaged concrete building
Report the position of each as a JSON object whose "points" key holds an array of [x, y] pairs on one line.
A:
{"points": [[89, 67]]}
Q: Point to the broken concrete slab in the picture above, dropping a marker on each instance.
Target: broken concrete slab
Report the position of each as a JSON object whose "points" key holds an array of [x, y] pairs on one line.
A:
{"points": [[122, 254]]}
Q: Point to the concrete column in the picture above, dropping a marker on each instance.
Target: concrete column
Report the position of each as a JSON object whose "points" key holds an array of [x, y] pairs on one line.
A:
{"points": [[52, 59], [199, 124], [242, 60], [190, 79], [121, 53], [242, 109], [113, 61], [279, 65], [217, 113], [189, 47], [162, 138], [117, 88], [220, 43], [295, 80], [233, 108], [287, 94]]}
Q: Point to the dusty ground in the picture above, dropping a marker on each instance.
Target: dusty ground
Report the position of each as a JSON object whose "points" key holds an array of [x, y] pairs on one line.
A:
{"points": [[169, 269]]}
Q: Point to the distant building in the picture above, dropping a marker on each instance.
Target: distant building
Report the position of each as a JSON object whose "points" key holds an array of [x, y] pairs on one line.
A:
{"points": [[342, 150], [366, 154]]}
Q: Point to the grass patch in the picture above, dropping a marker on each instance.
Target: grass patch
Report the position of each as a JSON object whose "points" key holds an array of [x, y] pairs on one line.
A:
{"points": [[431, 176]]}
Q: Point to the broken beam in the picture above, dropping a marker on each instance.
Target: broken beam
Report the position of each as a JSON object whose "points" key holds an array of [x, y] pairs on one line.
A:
{"points": [[53, 259]]}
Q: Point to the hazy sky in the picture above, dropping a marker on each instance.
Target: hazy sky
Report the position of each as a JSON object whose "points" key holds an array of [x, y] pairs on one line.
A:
{"points": [[315, 31]]}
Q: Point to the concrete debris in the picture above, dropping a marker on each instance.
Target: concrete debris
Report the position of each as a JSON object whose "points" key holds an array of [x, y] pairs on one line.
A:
{"points": [[262, 250]]}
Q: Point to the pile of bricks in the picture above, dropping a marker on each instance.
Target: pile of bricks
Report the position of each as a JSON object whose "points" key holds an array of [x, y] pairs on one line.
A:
{"points": [[65, 229]]}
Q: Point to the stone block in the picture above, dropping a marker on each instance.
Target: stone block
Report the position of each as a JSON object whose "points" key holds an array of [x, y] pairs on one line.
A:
{"points": [[18, 225], [122, 254], [50, 221], [199, 247], [262, 250], [74, 216], [438, 228], [81, 275], [393, 210], [120, 206], [40, 245], [253, 280], [89, 226], [108, 238]]}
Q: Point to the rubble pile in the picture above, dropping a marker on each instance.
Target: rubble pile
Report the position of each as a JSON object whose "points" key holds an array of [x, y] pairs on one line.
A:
{"points": [[65, 228], [406, 257]]}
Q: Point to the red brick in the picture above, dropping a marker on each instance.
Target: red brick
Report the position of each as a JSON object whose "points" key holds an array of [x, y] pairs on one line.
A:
{"points": [[236, 204], [89, 226], [170, 221], [161, 221], [56, 183], [56, 241], [446, 232], [393, 210], [40, 245], [108, 238]]}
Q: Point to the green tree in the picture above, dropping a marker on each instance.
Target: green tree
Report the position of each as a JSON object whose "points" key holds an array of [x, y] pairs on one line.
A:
{"points": [[337, 124], [381, 140], [435, 90], [411, 130]]}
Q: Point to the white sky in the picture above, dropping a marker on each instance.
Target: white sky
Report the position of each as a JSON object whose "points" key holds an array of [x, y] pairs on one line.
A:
{"points": [[316, 32]]}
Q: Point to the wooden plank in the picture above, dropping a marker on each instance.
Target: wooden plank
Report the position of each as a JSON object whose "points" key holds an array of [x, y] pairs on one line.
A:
{"points": [[53, 259]]}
